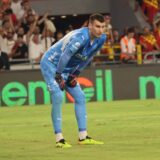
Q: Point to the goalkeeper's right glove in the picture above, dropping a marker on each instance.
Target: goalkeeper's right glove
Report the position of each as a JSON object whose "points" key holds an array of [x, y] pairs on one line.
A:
{"points": [[59, 79]]}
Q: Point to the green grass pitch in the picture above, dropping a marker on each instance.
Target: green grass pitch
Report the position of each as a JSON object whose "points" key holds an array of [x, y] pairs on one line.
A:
{"points": [[130, 130]]}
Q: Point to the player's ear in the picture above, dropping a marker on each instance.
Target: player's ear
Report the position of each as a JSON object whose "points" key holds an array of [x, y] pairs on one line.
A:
{"points": [[90, 25]]}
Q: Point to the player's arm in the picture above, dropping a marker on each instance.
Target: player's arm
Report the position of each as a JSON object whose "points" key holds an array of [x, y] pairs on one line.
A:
{"points": [[85, 63], [72, 79], [70, 49]]}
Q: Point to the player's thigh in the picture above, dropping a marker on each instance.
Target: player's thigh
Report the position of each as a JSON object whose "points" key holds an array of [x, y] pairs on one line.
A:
{"points": [[48, 71], [77, 93]]}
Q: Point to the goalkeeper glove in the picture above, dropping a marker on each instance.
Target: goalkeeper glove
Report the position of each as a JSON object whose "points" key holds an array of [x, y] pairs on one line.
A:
{"points": [[59, 79], [71, 81]]}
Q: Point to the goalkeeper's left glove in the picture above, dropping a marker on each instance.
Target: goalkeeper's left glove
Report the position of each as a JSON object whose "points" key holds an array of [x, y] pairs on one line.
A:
{"points": [[72, 79]]}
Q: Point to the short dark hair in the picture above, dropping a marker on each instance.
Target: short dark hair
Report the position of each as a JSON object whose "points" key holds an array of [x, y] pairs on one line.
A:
{"points": [[131, 30], [19, 36], [96, 16], [8, 11]]}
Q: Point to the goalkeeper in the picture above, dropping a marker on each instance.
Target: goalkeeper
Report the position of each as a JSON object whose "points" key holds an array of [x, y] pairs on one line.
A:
{"points": [[62, 64]]}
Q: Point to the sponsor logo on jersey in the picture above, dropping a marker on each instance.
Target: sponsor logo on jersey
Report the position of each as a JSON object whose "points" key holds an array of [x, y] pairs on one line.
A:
{"points": [[81, 57]]}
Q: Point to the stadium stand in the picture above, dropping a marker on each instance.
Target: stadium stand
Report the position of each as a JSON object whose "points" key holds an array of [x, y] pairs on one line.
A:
{"points": [[25, 35]]}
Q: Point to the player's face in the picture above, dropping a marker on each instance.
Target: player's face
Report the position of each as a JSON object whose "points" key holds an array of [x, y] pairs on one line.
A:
{"points": [[96, 28]]}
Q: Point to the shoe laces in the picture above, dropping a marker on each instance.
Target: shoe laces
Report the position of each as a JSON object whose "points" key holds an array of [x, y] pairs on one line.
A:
{"points": [[62, 141], [87, 137]]}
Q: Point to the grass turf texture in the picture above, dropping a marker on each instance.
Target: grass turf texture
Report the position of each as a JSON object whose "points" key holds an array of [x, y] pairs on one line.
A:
{"points": [[130, 130]]}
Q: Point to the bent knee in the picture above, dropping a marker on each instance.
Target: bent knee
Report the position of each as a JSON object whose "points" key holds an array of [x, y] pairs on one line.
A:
{"points": [[80, 99], [57, 96]]}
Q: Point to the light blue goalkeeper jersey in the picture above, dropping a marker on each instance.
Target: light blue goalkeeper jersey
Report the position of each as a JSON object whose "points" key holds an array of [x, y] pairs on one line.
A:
{"points": [[74, 51]]}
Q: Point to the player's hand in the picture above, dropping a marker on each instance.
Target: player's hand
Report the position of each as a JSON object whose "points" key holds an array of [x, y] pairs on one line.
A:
{"points": [[59, 79], [71, 81]]}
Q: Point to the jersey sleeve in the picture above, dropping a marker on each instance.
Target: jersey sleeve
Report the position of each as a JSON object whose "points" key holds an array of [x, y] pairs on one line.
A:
{"points": [[68, 50], [85, 63]]}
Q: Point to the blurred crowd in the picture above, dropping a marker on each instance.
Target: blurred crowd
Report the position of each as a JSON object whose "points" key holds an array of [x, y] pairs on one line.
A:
{"points": [[23, 33], [124, 46], [26, 35]]}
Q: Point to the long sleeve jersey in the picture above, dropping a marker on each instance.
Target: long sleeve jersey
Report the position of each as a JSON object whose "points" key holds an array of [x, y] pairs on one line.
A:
{"points": [[74, 51]]}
